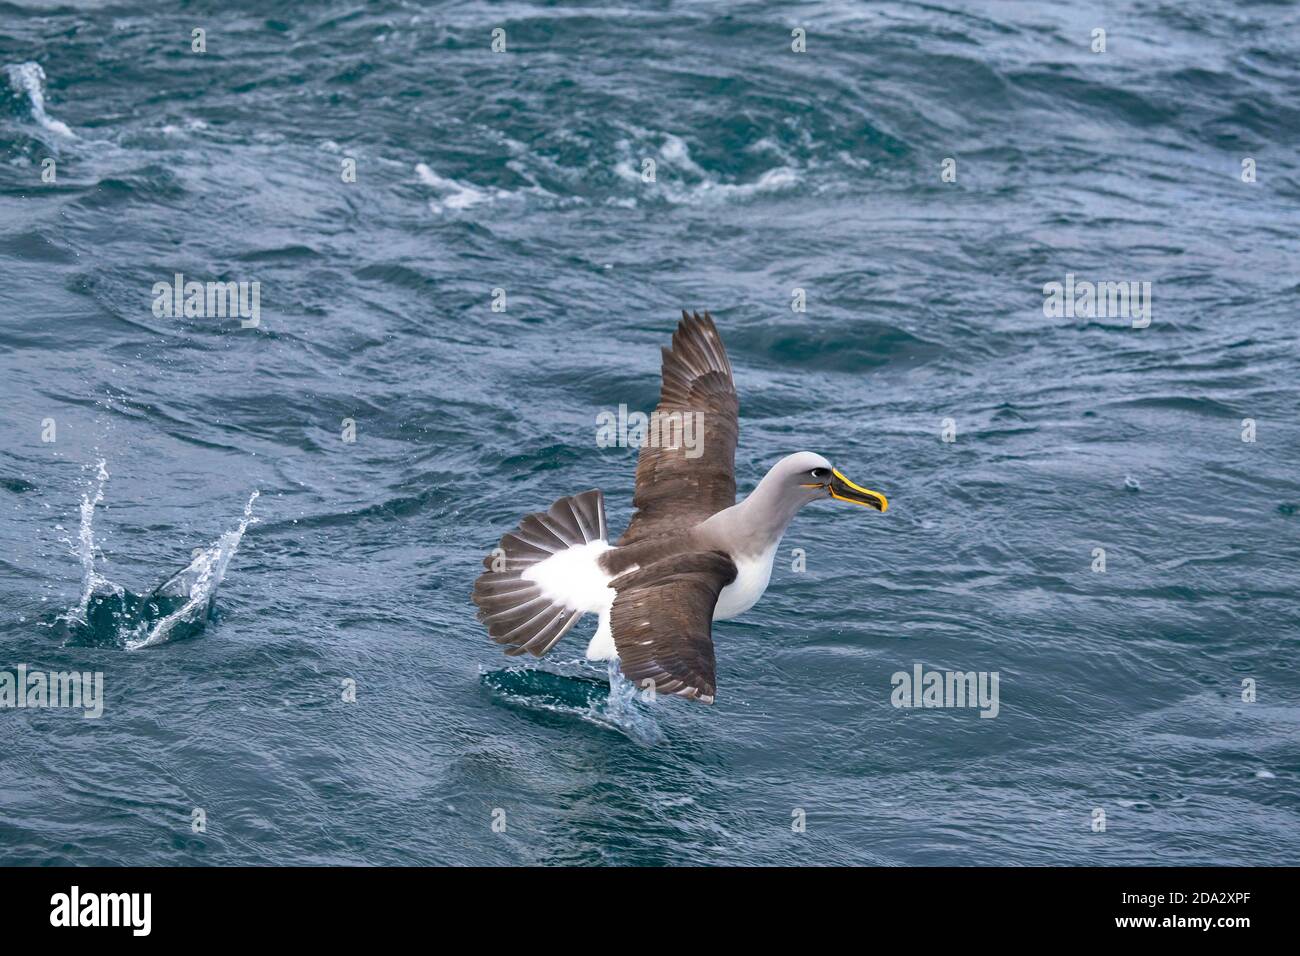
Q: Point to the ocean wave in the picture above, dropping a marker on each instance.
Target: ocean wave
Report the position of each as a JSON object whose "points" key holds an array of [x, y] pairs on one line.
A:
{"points": [[456, 196]]}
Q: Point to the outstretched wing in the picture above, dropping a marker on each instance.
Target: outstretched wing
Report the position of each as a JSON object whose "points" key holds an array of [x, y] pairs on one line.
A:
{"points": [[662, 622], [683, 477]]}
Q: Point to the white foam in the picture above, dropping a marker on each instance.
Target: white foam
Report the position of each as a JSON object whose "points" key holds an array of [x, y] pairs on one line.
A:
{"points": [[456, 196], [677, 174], [29, 78], [675, 151]]}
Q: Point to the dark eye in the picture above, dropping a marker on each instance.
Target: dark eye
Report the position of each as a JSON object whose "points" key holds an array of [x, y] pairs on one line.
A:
{"points": [[819, 473]]}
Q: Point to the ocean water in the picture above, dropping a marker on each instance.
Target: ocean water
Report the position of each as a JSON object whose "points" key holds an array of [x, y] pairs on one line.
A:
{"points": [[183, 514]]}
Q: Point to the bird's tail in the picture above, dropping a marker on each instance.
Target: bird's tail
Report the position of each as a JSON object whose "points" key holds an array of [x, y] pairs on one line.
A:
{"points": [[525, 610]]}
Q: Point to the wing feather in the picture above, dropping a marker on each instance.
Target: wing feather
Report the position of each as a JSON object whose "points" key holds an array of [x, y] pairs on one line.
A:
{"points": [[678, 487], [662, 622]]}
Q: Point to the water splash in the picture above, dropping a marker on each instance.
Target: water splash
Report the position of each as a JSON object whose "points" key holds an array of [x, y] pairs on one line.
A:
{"points": [[573, 689], [197, 584], [28, 79], [108, 614], [620, 708], [92, 582]]}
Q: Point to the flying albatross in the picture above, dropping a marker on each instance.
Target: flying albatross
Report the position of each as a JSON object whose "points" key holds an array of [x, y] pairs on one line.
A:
{"points": [[691, 554]]}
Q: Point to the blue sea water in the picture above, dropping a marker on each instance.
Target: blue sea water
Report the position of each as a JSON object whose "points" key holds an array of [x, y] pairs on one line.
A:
{"points": [[1120, 691]]}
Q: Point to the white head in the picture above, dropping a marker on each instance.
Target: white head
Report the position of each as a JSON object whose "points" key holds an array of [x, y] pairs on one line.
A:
{"points": [[806, 476], [791, 483]]}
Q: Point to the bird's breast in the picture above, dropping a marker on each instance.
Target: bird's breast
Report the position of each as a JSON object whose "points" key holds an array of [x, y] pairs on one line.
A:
{"points": [[752, 574]]}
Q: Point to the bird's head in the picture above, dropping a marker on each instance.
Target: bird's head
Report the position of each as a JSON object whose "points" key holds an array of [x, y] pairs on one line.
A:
{"points": [[810, 476]]}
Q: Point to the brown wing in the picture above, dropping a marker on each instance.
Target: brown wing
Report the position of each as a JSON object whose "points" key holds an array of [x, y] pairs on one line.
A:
{"points": [[677, 487], [662, 622]]}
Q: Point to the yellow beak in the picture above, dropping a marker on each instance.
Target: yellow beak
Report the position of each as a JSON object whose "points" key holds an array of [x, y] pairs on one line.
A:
{"points": [[844, 490]]}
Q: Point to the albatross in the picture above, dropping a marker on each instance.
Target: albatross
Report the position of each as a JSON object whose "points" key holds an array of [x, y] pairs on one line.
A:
{"points": [[690, 556]]}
